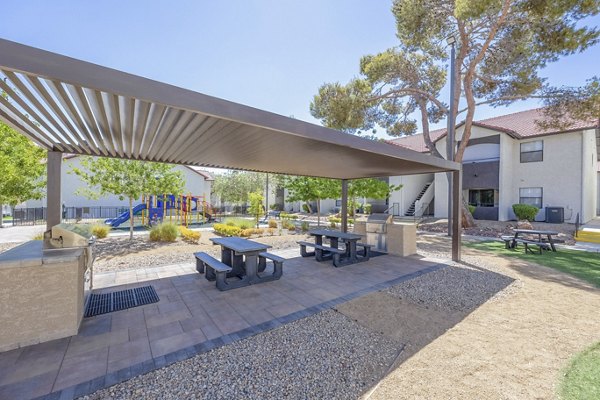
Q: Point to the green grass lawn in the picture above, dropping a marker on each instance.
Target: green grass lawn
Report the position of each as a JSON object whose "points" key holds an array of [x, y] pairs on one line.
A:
{"points": [[582, 264], [582, 377]]}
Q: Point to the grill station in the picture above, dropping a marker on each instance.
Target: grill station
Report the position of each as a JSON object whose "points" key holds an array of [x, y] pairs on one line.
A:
{"points": [[376, 230], [44, 285]]}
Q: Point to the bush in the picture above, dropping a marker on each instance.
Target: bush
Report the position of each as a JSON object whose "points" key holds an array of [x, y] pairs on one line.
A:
{"points": [[285, 224], [367, 208], [332, 224], [251, 231], [189, 235], [288, 216], [239, 222], [305, 208], [39, 236], [472, 209], [163, 232], [271, 231], [100, 231], [525, 212], [227, 230], [305, 226], [272, 224]]}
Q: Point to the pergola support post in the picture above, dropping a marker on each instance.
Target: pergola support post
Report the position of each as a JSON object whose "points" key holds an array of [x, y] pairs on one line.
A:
{"points": [[53, 196], [344, 205], [456, 214]]}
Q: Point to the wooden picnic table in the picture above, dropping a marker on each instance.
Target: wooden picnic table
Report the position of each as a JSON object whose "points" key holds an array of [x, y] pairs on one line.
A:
{"points": [[242, 256], [349, 239], [548, 234]]}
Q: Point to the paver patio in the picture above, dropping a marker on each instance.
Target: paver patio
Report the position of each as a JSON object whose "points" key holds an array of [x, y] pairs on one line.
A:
{"points": [[192, 317]]}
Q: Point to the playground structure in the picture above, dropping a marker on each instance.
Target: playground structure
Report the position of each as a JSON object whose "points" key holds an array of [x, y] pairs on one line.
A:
{"points": [[180, 209]]}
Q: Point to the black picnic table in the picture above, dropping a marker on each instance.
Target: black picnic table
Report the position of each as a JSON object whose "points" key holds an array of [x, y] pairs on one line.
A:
{"points": [[242, 256], [549, 236], [349, 239]]}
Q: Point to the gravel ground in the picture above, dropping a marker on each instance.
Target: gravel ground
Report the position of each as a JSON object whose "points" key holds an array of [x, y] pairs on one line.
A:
{"points": [[454, 289], [496, 229], [325, 356], [7, 246], [120, 253]]}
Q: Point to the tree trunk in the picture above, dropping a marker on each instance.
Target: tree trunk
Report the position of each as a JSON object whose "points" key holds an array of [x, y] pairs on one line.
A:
{"points": [[308, 207], [467, 218], [130, 218], [1, 215], [319, 213]]}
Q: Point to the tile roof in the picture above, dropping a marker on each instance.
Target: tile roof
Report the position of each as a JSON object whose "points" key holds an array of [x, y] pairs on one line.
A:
{"points": [[519, 125]]}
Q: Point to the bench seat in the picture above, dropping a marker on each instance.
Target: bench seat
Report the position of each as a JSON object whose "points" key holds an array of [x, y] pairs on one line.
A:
{"points": [[277, 263], [541, 245], [321, 252], [215, 269], [366, 250]]}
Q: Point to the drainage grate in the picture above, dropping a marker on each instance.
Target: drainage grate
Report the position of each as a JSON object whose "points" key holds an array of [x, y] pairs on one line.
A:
{"points": [[123, 299]]}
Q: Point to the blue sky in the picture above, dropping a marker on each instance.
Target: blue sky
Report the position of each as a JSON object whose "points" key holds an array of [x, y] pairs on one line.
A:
{"points": [[269, 54]]}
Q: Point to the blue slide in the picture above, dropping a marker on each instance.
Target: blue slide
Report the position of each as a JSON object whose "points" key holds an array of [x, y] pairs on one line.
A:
{"points": [[114, 222]]}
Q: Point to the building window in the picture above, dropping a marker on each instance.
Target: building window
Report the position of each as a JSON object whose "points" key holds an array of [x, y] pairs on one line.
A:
{"points": [[531, 196], [481, 197], [532, 151]]}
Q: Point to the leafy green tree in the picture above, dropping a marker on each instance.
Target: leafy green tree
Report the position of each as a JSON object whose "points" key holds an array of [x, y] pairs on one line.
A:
{"points": [[307, 189], [257, 207], [501, 47], [127, 179], [369, 188], [235, 186], [573, 103], [22, 168]]}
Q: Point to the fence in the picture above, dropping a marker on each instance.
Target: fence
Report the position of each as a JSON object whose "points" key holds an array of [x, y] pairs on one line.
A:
{"points": [[37, 215]]}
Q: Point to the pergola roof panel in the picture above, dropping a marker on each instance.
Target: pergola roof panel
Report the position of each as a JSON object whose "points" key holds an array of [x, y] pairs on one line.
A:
{"points": [[73, 106]]}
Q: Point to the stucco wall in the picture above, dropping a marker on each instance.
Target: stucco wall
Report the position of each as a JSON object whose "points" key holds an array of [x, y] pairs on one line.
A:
{"points": [[559, 174], [194, 184], [589, 161]]}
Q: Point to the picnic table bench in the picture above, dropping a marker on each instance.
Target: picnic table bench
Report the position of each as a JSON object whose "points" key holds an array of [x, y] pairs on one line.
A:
{"points": [[242, 260], [543, 243]]}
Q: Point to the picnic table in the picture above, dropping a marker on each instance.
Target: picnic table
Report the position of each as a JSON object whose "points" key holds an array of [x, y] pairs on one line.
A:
{"points": [[348, 255], [546, 242], [240, 258]]}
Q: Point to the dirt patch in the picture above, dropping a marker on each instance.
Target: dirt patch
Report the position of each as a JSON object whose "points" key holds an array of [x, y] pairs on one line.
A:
{"points": [[513, 347]]}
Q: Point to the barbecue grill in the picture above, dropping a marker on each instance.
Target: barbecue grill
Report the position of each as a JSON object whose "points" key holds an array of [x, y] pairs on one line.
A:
{"points": [[376, 230]]}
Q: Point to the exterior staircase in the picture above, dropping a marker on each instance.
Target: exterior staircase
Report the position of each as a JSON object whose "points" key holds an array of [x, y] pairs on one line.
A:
{"points": [[411, 210]]}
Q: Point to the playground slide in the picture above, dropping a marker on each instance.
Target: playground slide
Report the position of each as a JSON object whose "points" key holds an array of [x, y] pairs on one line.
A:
{"points": [[114, 222]]}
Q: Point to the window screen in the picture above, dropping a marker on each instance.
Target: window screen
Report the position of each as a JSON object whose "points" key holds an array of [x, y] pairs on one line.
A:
{"points": [[532, 151]]}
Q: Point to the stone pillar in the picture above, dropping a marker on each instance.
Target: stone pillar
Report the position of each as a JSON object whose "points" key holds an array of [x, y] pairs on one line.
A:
{"points": [[344, 205], [53, 189], [401, 239], [456, 214]]}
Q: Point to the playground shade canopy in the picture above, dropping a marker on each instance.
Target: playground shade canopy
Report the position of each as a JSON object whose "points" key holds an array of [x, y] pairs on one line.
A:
{"points": [[68, 105]]}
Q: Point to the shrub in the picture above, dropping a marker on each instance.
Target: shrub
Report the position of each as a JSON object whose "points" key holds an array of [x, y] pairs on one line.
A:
{"points": [[472, 209], [239, 222], [189, 235], [245, 232], [227, 230], [100, 231], [367, 208], [305, 208], [163, 232], [332, 224], [305, 226], [288, 216], [285, 224], [251, 231], [39, 236], [525, 211], [271, 231], [272, 223]]}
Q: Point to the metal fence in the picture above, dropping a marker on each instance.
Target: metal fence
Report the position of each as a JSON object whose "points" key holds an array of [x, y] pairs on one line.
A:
{"points": [[37, 215]]}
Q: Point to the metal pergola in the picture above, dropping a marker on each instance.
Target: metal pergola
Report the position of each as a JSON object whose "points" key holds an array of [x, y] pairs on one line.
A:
{"points": [[71, 106]]}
